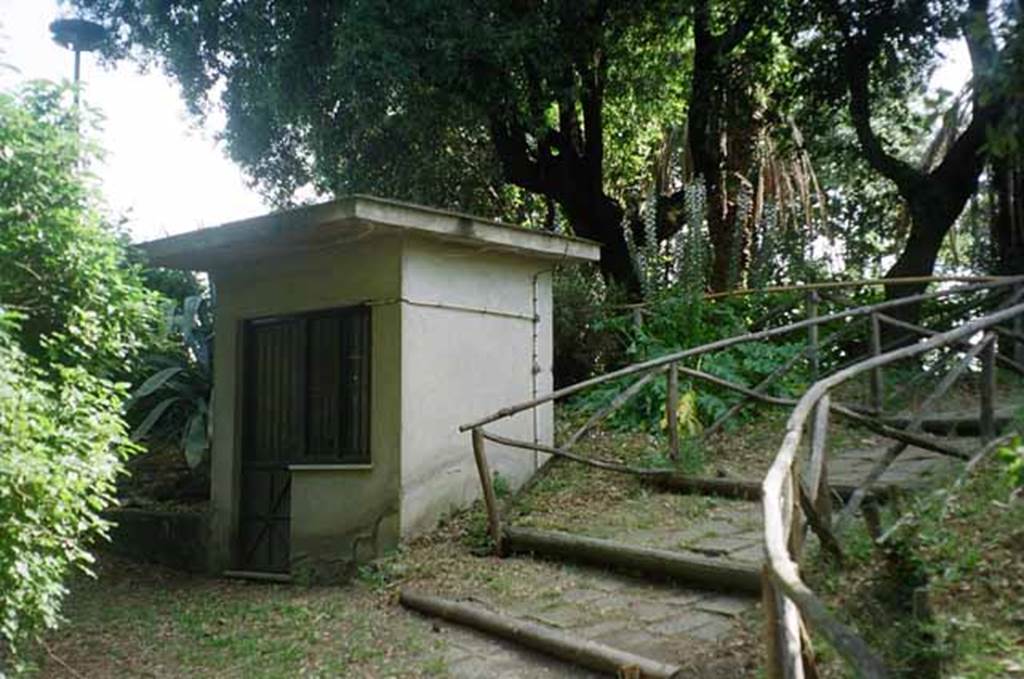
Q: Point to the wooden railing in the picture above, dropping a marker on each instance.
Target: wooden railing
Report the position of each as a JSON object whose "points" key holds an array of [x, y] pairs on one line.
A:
{"points": [[791, 607], [789, 504]]}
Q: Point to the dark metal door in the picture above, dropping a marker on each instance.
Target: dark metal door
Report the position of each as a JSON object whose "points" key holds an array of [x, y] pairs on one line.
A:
{"points": [[272, 438], [306, 398]]}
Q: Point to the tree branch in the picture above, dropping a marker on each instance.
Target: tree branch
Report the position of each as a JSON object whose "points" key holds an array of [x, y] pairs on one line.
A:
{"points": [[857, 59], [963, 161], [514, 154], [592, 100], [741, 28]]}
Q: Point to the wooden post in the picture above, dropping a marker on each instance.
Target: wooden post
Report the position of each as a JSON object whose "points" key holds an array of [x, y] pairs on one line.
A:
{"points": [[812, 333], [487, 483], [987, 424], [772, 635], [1018, 328], [877, 384], [817, 474], [672, 411], [796, 523]]}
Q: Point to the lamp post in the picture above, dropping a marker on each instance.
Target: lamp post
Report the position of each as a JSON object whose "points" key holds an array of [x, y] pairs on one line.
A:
{"points": [[79, 35]]}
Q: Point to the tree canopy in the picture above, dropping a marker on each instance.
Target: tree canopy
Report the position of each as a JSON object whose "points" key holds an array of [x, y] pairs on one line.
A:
{"points": [[595, 115]]}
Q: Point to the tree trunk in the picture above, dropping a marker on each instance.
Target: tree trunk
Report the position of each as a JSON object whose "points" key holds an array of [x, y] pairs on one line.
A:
{"points": [[599, 218], [934, 207], [1007, 227], [928, 228]]}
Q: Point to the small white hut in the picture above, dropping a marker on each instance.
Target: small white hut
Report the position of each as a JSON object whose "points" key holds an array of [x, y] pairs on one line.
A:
{"points": [[352, 338]]}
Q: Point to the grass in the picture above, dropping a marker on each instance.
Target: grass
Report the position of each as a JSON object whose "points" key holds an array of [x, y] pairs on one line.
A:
{"points": [[144, 621], [943, 597]]}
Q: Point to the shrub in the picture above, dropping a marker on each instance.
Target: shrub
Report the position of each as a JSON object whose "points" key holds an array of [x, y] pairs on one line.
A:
{"points": [[61, 446], [74, 316], [63, 267]]}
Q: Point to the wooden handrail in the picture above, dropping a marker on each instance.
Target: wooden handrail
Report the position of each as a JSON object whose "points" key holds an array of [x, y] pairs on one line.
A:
{"points": [[726, 343], [777, 497]]}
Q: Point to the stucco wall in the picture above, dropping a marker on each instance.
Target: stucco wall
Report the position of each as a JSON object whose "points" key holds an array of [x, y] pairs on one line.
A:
{"points": [[334, 513], [454, 337], [462, 363]]}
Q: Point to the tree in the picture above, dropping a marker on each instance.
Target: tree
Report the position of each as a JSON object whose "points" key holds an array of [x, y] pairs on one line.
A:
{"points": [[73, 316], [724, 126], [65, 270], [491, 106], [879, 50]]}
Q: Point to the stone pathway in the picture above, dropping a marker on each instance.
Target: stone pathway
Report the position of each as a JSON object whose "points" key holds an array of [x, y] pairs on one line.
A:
{"points": [[914, 468], [471, 655], [662, 621]]}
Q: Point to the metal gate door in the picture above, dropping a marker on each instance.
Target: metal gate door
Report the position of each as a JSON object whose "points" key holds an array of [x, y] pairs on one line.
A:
{"points": [[272, 432]]}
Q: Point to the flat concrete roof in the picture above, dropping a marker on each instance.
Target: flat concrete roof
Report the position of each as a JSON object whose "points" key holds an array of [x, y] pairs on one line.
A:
{"points": [[316, 227]]}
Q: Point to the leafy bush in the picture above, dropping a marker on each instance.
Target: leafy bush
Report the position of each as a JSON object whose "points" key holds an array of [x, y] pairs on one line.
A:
{"points": [[64, 268], [582, 344], [74, 316], [173, 401], [675, 322], [62, 444]]}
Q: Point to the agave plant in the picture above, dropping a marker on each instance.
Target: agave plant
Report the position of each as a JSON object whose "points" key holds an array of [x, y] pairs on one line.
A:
{"points": [[178, 392]]}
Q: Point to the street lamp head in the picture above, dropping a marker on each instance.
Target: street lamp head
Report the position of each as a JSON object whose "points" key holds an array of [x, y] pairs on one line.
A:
{"points": [[79, 35]]}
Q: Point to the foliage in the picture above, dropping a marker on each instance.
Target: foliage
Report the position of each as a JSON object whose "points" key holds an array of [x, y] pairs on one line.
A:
{"points": [[61, 446], [1012, 457], [676, 321], [63, 267], [941, 597], [176, 392], [582, 347], [74, 315]]}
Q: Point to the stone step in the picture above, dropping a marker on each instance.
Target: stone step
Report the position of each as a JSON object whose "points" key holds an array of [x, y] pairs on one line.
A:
{"points": [[705, 572], [538, 636], [956, 423]]}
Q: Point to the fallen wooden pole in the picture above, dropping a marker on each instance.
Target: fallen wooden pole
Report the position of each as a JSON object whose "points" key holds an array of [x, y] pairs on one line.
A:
{"points": [[537, 636], [898, 430], [739, 489], [696, 570], [961, 425]]}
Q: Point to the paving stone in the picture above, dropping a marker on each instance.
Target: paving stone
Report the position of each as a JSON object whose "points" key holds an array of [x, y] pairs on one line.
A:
{"points": [[683, 598], [653, 611], [606, 582], [684, 622], [561, 615], [613, 602], [583, 596], [713, 630], [626, 640], [601, 629], [752, 554], [725, 604]]}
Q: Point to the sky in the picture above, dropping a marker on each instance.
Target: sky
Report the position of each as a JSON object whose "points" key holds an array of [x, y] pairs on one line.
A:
{"points": [[163, 172]]}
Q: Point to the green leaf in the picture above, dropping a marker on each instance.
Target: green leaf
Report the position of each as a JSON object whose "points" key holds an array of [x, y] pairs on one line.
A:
{"points": [[196, 443], [153, 417], [154, 382]]}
